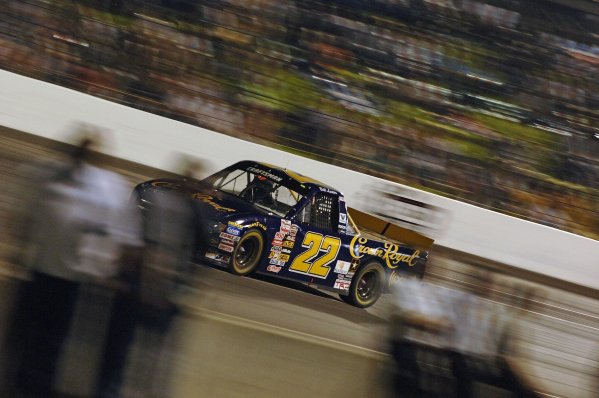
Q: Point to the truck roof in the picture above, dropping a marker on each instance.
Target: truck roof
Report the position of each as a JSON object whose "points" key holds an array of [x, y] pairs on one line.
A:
{"points": [[285, 174]]}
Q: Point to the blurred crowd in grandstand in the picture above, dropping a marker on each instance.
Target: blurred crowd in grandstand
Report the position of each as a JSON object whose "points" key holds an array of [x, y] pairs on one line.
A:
{"points": [[493, 102]]}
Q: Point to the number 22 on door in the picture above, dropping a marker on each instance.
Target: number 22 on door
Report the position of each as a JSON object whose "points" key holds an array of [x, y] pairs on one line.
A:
{"points": [[311, 261]]}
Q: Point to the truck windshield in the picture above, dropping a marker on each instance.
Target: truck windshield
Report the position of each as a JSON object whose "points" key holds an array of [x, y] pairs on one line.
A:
{"points": [[255, 188]]}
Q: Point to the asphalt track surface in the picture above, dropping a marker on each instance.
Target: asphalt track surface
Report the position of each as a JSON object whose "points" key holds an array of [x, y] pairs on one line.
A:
{"points": [[564, 325], [295, 307]]}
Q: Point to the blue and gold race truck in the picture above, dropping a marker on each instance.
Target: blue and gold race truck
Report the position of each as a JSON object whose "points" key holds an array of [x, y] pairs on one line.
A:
{"points": [[266, 219]]}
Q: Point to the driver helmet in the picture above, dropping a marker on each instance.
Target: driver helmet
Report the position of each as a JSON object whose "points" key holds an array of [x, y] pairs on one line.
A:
{"points": [[263, 182]]}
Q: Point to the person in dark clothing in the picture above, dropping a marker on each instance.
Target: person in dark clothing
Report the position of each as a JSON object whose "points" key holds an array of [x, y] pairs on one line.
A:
{"points": [[483, 333], [49, 304], [150, 278], [121, 328], [74, 235]]}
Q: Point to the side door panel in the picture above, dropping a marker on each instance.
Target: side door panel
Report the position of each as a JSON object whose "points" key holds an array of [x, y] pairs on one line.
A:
{"points": [[319, 254], [314, 255]]}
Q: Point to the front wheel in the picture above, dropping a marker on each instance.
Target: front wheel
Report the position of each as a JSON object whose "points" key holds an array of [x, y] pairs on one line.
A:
{"points": [[247, 253], [366, 286]]}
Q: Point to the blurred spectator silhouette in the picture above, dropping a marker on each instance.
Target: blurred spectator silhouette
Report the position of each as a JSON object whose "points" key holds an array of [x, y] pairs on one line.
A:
{"points": [[421, 326], [483, 330], [27, 197], [74, 233], [522, 314], [445, 339], [151, 284]]}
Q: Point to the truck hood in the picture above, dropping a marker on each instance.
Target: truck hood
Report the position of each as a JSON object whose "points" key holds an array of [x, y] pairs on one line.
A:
{"points": [[213, 204]]}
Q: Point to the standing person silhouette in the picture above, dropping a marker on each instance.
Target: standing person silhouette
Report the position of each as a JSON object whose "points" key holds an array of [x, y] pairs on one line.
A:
{"points": [[76, 233], [147, 303]]}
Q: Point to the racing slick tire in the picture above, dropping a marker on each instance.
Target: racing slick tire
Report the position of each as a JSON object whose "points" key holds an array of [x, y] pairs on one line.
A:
{"points": [[247, 253], [366, 286]]}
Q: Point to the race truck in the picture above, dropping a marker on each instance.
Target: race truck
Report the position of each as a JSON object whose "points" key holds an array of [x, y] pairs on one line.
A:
{"points": [[266, 219]]}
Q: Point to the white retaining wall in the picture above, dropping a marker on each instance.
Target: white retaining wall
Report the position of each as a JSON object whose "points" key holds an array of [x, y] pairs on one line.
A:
{"points": [[52, 111]]}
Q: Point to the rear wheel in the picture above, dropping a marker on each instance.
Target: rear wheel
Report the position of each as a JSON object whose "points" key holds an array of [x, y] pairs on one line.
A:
{"points": [[247, 253], [366, 286]]}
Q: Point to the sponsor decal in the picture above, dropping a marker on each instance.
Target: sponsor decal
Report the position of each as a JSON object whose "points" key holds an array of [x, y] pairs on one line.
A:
{"points": [[277, 248], [277, 243], [217, 256], [327, 190], [276, 262], [230, 237], [235, 225], [285, 227], [342, 267], [210, 254], [286, 251], [279, 236], [227, 242], [293, 230], [390, 252], [256, 224], [239, 227], [273, 268], [233, 230], [343, 218], [279, 256], [222, 258], [265, 174], [288, 243], [226, 248], [342, 284], [210, 200]]}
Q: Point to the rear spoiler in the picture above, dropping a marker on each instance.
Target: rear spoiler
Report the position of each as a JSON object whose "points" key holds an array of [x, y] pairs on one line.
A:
{"points": [[389, 230]]}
